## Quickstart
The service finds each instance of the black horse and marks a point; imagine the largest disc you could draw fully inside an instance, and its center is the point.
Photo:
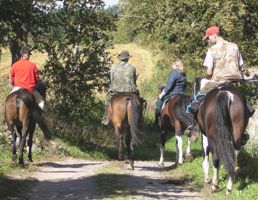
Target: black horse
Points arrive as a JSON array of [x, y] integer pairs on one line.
[[170, 118], [222, 118], [22, 113]]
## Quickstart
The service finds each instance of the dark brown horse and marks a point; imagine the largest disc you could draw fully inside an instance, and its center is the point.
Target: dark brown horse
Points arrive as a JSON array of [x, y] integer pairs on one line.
[[22, 113], [170, 116], [222, 118], [125, 113]]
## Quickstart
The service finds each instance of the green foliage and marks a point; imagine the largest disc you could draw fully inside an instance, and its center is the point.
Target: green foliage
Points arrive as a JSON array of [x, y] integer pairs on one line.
[[177, 27], [21, 23], [250, 90], [75, 38], [77, 63]]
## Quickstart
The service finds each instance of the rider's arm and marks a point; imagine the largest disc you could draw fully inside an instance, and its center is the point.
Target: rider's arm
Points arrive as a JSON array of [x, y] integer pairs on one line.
[[171, 81], [36, 73], [134, 75], [12, 74], [112, 73], [208, 63], [209, 72], [240, 61]]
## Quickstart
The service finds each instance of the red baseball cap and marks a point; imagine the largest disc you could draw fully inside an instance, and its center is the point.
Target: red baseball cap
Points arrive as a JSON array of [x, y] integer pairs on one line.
[[210, 31]]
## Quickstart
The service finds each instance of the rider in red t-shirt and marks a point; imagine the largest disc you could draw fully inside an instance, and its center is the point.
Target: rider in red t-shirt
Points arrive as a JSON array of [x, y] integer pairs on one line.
[[24, 74]]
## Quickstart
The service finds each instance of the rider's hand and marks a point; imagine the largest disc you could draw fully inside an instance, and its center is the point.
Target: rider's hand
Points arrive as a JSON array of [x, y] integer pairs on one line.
[[162, 94]]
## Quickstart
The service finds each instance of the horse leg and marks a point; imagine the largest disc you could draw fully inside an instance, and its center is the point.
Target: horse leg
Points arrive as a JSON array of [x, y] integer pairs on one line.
[[236, 160], [29, 142], [188, 154], [230, 184], [22, 145], [215, 178], [163, 137], [130, 149], [205, 163], [14, 149], [119, 142], [179, 149]]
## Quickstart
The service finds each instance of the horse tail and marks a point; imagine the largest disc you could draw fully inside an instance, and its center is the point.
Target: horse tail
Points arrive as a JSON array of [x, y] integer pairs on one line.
[[135, 120], [36, 113], [223, 138]]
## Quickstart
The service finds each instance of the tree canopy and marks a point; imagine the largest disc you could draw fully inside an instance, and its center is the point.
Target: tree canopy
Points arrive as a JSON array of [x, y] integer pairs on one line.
[[177, 27], [73, 33]]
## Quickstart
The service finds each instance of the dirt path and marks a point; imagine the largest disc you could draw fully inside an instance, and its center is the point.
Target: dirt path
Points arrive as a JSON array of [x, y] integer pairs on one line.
[[83, 179]]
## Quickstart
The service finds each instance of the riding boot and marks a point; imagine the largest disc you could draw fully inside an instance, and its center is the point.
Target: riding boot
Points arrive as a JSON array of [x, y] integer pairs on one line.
[[195, 104], [105, 120], [250, 109]]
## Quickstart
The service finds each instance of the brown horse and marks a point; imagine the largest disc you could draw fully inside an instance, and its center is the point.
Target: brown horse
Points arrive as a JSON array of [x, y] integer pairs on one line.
[[22, 113], [170, 121], [125, 112], [222, 118]]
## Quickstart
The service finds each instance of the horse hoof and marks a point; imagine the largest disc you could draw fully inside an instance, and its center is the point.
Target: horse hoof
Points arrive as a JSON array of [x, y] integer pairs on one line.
[[228, 192], [215, 188], [21, 165], [193, 139], [14, 157], [179, 162], [188, 157], [160, 164], [207, 185], [187, 133], [131, 164]]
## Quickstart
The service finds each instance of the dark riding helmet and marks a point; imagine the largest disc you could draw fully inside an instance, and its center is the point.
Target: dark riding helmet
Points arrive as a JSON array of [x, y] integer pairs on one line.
[[124, 55], [25, 51]]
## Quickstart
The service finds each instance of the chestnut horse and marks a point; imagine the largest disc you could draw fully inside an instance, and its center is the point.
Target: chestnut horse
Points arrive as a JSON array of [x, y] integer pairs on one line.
[[22, 113], [174, 109], [222, 118], [125, 113]]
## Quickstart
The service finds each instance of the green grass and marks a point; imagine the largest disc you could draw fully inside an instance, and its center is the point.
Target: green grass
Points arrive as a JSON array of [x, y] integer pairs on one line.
[[245, 186], [80, 152]]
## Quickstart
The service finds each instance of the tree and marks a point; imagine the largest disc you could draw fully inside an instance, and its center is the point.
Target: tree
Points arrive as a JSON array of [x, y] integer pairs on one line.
[[177, 27], [21, 23], [77, 65], [74, 35]]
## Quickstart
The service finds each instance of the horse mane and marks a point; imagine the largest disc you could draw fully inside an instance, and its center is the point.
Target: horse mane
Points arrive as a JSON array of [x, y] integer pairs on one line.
[[180, 111]]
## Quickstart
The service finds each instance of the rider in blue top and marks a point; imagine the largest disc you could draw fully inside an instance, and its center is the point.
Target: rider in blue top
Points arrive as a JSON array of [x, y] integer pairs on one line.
[[176, 84]]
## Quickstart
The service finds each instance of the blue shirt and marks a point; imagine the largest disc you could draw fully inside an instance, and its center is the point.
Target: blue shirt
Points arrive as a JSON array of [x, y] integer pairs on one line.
[[176, 83]]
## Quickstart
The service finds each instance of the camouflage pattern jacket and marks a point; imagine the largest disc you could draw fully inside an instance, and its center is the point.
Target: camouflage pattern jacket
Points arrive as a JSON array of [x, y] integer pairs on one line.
[[123, 78], [225, 60]]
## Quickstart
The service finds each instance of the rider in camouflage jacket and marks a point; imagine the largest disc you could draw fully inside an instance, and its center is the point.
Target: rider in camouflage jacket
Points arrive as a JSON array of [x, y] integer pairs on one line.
[[123, 79], [223, 62]]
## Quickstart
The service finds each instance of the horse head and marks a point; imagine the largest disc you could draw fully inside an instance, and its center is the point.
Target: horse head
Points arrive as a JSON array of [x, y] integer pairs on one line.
[[41, 87]]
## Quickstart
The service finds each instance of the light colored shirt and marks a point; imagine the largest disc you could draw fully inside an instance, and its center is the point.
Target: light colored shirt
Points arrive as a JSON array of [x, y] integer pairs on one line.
[[225, 60]]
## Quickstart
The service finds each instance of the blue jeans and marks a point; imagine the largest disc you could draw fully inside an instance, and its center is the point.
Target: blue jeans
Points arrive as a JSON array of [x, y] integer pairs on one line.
[[160, 102]]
